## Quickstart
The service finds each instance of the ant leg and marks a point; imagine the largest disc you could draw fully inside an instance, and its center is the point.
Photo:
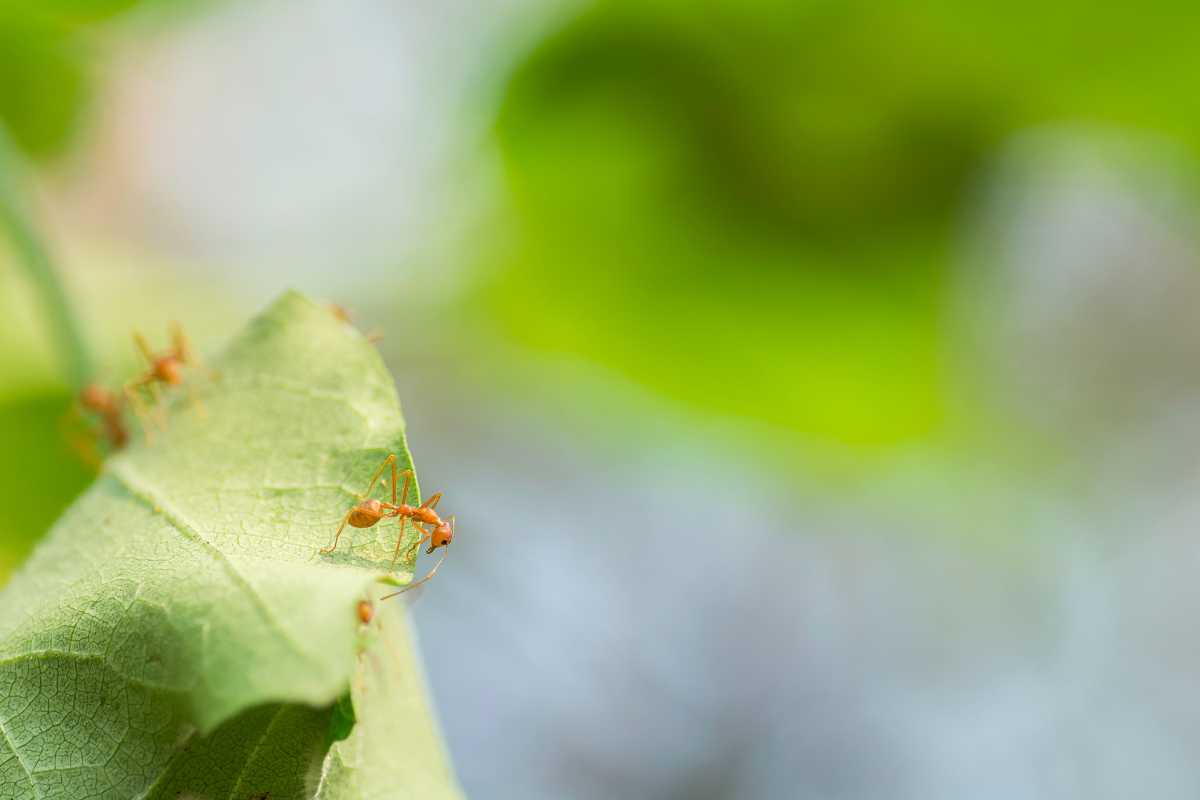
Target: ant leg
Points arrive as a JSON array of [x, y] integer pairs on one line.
[[338, 535], [160, 408], [183, 350], [188, 354], [433, 500], [412, 548], [118, 437], [400, 539], [424, 538], [83, 444], [139, 408], [195, 401], [431, 573], [415, 546], [375, 479], [408, 473], [179, 342], [394, 481], [143, 348]]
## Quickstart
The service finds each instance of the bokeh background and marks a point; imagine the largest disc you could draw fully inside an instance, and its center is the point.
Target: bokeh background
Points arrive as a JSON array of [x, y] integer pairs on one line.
[[816, 384]]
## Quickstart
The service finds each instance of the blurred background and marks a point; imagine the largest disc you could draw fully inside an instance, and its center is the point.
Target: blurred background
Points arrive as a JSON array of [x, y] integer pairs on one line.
[[816, 384]]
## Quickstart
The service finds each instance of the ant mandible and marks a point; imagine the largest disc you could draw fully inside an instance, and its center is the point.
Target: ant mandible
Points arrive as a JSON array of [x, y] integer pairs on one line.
[[165, 368], [369, 511]]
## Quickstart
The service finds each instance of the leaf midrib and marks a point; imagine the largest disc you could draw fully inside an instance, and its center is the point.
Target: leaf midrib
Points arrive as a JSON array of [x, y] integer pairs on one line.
[[142, 491], [233, 794]]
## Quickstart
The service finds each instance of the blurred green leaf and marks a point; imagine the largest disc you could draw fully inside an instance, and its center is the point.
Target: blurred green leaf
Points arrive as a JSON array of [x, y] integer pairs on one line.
[[44, 82], [753, 210], [49, 50], [185, 588], [270, 751], [749, 215], [30, 251], [38, 473]]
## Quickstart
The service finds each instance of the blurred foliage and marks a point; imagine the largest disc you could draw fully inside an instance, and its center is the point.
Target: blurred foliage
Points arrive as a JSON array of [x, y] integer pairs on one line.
[[47, 50], [43, 80], [39, 474], [752, 209], [48, 53]]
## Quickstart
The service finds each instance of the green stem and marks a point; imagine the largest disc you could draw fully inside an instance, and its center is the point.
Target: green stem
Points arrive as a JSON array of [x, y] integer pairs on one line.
[[32, 253]]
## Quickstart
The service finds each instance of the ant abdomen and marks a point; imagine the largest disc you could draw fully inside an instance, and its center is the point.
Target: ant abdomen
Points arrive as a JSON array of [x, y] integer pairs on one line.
[[366, 514]]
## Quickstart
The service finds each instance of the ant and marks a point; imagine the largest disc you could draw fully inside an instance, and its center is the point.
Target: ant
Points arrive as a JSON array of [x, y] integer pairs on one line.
[[369, 511], [374, 336], [162, 368], [106, 406]]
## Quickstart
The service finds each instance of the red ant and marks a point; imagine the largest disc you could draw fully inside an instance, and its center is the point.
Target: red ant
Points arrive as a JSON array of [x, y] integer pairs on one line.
[[370, 511], [105, 405], [162, 368]]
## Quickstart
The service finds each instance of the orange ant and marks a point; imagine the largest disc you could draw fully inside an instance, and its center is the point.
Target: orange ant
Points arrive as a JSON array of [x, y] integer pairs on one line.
[[164, 368], [374, 336], [106, 406], [366, 612], [366, 513]]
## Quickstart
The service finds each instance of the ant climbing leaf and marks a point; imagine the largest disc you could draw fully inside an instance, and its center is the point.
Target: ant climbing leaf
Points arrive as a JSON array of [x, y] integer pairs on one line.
[[178, 632]]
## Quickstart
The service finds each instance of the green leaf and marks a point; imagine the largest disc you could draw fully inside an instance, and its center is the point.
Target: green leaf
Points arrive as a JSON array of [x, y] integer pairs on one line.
[[393, 735], [44, 81], [272, 751], [41, 474], [184, 597]]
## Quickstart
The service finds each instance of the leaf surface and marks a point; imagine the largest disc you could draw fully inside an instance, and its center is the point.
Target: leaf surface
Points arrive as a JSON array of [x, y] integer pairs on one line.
[[395, 748], [185, 589]]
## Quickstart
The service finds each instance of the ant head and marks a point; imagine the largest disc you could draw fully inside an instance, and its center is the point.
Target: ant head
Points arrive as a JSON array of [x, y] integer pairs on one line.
[[168, 369], [95, 397], [441, 536]]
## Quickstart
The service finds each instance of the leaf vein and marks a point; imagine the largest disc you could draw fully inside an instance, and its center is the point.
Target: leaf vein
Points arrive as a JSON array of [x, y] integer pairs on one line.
[[254, 753], [45, 655], [17, 753], [141, 491]]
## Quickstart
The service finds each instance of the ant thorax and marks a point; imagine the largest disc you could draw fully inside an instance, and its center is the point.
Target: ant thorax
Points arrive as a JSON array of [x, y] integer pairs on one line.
[[167, 369], [426, 515]]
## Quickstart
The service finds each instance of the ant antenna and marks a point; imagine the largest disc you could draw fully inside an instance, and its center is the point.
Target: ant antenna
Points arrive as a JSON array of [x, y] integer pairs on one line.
[[432, 572]]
